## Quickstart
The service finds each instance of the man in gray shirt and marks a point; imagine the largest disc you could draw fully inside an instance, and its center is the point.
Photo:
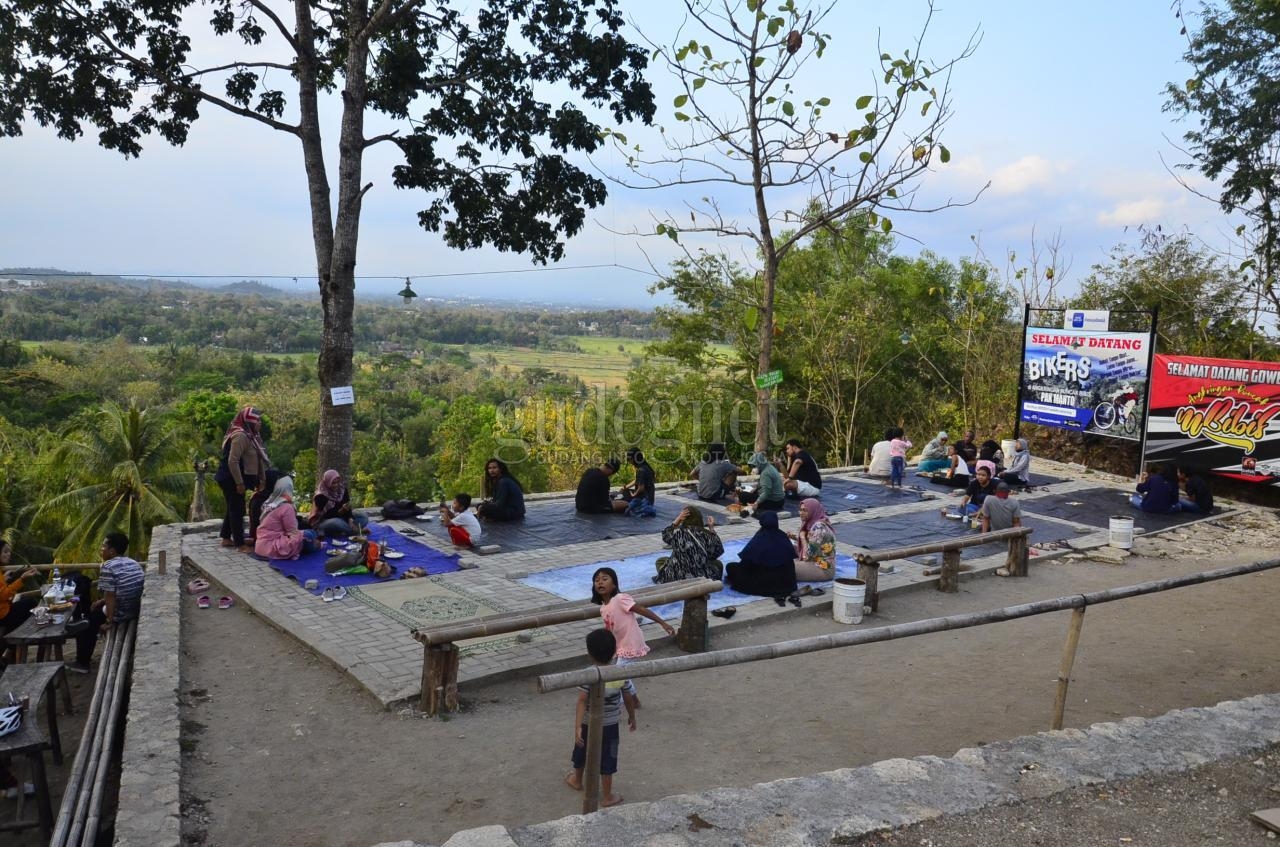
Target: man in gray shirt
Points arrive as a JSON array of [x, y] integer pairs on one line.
[[1000, 512], [717, 476]]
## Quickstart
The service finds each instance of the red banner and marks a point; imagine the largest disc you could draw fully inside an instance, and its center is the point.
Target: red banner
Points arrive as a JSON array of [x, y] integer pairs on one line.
[[1219, 415]]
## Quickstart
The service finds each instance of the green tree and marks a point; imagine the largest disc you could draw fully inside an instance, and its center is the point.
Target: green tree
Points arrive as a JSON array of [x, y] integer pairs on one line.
[[126, 468], [469, 87], [1234, 94], [1203, 310], [749, 132]]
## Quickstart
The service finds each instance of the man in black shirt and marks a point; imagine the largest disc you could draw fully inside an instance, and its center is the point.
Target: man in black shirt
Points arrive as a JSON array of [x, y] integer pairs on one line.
[[1199, 498], [966, 448], [801, 478], [593, 490]]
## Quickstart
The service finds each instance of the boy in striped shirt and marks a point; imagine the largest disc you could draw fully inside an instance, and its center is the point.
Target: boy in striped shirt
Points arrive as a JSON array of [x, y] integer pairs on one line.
[[601, 647], [120, 583]]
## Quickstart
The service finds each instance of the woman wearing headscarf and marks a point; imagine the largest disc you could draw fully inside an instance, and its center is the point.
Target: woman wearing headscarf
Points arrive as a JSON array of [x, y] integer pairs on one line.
[[695, 548], [331, 508], [259, 498], [934, 456], [244, 461], [278, 534], [766, 567], [1019, 472], [815, 548]]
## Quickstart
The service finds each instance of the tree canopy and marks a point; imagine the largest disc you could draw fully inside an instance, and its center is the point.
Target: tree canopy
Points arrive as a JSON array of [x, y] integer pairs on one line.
[[469, 91]]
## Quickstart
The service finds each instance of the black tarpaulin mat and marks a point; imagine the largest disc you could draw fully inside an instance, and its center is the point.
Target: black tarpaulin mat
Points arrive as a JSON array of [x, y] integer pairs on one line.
[[927, 526], [1096, 506], [1037, 479], [870, 495], [554, 523]]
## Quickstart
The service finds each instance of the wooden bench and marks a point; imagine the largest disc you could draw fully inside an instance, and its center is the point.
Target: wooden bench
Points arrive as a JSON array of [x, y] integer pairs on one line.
[[949, 573], [440, 649], [35, 682], [81, 810]]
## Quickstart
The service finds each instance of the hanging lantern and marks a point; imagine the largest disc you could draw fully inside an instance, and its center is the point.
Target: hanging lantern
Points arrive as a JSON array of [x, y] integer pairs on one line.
[[408, 293]]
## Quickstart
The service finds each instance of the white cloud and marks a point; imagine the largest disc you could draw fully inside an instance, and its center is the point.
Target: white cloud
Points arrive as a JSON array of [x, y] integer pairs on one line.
[[1135, 212], [1023, 175]]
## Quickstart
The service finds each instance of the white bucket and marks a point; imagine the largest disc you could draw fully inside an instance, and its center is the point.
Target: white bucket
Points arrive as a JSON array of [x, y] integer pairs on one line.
[[849, 595], [1122, 532], [1008, 446]]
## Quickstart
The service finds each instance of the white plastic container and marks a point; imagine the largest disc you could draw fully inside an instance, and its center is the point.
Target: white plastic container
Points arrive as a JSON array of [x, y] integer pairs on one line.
[[1121, 532], [848, 597]]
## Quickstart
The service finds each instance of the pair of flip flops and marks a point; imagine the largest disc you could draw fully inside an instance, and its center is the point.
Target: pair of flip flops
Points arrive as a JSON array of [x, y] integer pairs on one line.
[[414, 573], [197, 586], [336, 592], [204, 602]]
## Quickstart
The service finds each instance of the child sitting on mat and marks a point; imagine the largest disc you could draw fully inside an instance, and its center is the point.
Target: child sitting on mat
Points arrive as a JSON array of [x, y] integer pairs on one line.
[[601, 647], [464, 527]]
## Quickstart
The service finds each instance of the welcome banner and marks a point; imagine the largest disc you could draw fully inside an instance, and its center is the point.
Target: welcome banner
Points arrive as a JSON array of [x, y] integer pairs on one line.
[[1219, 415], [1086, 381]]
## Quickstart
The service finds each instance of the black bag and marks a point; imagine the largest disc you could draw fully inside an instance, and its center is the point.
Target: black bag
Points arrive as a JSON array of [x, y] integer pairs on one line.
[[397, 510]]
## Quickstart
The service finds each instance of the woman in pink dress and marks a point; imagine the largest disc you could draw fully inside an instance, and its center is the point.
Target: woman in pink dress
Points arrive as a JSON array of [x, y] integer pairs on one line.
[[278, 534]]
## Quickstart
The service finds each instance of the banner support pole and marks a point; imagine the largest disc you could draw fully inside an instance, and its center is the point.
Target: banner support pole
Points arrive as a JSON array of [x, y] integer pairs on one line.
[[1146, 394], [1022, 372]]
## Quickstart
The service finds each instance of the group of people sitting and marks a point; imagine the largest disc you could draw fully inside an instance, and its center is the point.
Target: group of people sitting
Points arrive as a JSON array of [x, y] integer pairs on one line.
[[1158, 491], [953, 464]]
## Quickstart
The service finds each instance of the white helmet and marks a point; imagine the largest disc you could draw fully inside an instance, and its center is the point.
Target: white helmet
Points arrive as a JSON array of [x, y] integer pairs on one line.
[[10, 719]]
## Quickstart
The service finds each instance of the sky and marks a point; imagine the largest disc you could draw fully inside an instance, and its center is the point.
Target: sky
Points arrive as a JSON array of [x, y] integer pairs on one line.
[[1059, 109]]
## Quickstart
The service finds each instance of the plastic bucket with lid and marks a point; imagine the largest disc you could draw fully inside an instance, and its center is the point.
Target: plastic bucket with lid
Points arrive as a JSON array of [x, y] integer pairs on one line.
[[846, 604], [1121, 532]]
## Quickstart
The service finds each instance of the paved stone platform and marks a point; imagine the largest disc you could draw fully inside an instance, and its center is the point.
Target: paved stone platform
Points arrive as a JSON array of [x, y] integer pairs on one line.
[[383, 657]]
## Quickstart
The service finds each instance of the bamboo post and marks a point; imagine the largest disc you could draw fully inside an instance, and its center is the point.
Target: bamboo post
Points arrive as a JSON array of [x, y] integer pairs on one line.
[[113, 722], [1064, 669], [1016, 563], [949, 581], [162, 563], [439, 679], [693, 634], [595, 740], [869, 573]]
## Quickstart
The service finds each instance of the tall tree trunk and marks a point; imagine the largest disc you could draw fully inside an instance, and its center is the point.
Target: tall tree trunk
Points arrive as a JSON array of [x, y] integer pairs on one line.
[[338, 290]]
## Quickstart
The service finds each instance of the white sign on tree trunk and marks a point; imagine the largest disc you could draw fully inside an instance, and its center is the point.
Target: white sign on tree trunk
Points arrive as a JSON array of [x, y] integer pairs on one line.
[[343, 396]]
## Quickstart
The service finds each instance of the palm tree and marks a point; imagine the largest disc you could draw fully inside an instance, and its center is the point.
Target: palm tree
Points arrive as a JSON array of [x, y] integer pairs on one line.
[[128, 464]]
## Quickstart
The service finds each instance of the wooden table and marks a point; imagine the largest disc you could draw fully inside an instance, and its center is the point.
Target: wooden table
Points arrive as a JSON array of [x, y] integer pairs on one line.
[[41, 637], [30, 741]]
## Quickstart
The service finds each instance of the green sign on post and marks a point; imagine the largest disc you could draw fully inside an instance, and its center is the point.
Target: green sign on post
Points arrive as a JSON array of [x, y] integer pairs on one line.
[[769, 380]]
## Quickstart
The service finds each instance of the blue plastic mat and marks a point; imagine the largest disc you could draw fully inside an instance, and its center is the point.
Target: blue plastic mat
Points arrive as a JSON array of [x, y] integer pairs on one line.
[[311, 565], [634, 572]]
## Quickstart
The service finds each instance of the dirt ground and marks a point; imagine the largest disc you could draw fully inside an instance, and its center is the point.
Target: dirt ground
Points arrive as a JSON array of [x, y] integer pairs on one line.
[[282, 748]]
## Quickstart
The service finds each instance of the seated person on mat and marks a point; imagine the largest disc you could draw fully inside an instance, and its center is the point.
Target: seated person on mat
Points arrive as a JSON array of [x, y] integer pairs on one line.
[[695, 548], [464, 528], [1156, 493], [766, 567], [934, 455], [593, 490], [717, 476], [1199, 498], [879, 465], [802, 476], [770, 495], [278, 534], [331, 508], [956, 476], [1000, 511], [504, 496], [1019, 472], [637, 496], [980, 488], [815, 544]]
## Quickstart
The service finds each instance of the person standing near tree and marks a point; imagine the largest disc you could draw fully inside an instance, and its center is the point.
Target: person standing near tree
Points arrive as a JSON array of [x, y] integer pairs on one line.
[[244, 463]]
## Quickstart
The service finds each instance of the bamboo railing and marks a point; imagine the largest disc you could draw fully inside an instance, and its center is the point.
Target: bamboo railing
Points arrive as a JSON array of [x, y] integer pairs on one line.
[[598, 675]]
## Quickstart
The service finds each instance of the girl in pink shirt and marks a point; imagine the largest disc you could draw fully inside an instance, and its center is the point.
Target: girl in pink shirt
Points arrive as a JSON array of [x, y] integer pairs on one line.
[[619, 612]]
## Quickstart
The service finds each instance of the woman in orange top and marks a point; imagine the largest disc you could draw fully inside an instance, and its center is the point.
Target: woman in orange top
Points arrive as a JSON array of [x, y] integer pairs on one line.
[[12, 611]]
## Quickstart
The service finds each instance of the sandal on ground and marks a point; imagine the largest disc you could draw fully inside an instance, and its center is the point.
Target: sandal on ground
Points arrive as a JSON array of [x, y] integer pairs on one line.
[[726, 613], [339, 592], [794, 600], [226, 542], [226, 602], [811, 591], [1002, 572], [781, 601], [203, 601], [197, 586], [327, 595]]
